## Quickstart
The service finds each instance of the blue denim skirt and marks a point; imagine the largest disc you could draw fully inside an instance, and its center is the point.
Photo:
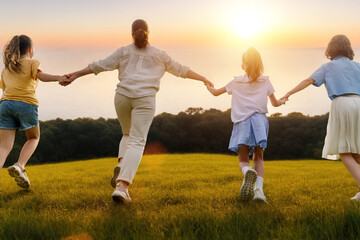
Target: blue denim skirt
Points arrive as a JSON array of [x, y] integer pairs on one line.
[[252, 132], [18, 115]]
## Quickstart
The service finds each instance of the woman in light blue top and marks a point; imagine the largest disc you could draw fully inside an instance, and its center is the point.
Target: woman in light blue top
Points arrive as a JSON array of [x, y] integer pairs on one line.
[[341, 77]]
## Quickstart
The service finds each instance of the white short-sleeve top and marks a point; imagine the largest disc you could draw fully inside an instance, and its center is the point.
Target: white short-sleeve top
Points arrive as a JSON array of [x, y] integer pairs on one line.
[[140, 70], [248, 98]]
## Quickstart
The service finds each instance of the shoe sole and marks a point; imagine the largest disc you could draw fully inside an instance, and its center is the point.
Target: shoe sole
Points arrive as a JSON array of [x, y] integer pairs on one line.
[[114, 177], [13, 172], [260, 200], [20, 181], [117, 197], [247, 190]]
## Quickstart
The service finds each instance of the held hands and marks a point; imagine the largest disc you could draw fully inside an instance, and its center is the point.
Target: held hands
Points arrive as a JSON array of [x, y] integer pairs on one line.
[[282, 101], [207, 82], [285, 97], [210, 88], [67, 79], [62, 78]]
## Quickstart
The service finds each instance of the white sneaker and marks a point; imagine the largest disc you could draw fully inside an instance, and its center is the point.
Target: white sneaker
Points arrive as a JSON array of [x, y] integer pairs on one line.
[[356, 198], [121, 196], [259, 196], [247, 188], [18, 172], [115, 175]]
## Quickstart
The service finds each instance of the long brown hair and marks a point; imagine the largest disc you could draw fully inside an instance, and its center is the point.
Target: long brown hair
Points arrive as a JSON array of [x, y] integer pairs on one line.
[[18, 46], [339, 45], [254, 65], [140, 33]]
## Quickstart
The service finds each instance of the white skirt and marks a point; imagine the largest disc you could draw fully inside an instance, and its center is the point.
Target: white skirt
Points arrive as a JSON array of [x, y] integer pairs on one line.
[[343, 129]]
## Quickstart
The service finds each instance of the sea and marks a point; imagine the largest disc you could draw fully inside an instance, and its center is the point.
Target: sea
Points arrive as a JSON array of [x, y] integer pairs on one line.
[[93, 96]]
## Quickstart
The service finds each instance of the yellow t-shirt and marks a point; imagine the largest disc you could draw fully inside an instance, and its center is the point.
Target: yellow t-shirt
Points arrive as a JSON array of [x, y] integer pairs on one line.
[[21, 86]]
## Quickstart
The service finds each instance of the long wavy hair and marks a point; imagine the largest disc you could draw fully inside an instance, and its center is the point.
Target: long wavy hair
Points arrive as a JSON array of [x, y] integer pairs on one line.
[[254, 65], [339, 45], [18, 46], [140, 33]]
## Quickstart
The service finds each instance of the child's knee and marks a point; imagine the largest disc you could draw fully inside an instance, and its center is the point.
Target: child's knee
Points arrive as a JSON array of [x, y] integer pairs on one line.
[[6, 146], [33, 138]]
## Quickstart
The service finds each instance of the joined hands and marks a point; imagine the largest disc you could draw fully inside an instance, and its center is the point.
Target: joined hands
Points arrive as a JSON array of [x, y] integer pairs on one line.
[[67, 79]]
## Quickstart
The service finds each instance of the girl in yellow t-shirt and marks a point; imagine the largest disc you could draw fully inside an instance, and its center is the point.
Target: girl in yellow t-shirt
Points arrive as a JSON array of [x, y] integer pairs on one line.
[[18, 104]]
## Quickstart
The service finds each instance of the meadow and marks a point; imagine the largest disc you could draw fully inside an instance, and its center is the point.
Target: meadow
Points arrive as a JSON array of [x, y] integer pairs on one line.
[[180, 196]]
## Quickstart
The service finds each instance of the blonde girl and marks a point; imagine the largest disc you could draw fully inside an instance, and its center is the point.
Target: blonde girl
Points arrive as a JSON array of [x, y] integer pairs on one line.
[[250, 131], [341, 77], [19, 105]]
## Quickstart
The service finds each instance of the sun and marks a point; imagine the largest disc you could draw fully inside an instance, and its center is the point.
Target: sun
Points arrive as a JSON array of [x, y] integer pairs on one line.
[[247, 25]]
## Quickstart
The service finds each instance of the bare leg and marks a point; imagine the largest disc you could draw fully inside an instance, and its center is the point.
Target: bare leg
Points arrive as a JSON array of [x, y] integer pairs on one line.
[[356, 156], [259, 161], [33, 136], [247, 187], [352, 166], [7, 138], [243, 156]]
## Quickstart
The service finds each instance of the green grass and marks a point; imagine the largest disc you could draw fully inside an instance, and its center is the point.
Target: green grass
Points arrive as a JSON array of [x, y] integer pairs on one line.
[[189, 196]]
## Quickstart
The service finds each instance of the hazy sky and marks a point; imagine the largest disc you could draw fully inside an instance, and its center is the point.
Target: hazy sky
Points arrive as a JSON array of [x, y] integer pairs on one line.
[[208, 36], [106, 23]]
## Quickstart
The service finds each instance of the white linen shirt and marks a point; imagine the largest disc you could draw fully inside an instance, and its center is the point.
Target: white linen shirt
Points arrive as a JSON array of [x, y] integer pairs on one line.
[[248, 98], [140, 70]]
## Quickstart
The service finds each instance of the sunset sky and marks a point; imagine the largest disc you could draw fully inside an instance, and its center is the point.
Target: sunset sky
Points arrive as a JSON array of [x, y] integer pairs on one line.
[[208, 36], [103, 24]]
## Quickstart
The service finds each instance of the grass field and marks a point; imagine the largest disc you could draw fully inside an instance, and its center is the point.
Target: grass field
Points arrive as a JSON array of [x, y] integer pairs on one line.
[[190, 196]]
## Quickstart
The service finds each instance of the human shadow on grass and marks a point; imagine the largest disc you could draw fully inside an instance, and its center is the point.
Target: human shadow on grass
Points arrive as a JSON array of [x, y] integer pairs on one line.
[[250, 204], [6, 197]]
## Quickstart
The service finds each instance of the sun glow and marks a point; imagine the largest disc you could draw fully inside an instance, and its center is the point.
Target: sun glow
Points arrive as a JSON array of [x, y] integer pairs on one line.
[[247, 25]]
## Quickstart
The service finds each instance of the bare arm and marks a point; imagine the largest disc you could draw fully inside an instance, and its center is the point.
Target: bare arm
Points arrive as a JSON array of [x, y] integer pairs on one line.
[[275, 102], [45, 77], [216, 92], [302, 85], [193, 75]]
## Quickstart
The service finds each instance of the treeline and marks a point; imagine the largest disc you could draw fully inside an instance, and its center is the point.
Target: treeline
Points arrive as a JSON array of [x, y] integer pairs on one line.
[[294, 136]]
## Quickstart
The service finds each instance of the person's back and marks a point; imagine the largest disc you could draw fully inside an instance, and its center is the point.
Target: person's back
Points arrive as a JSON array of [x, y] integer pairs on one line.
[[249, 97], [18, 104], [340, 76], [251, 126], [21, 86], [140, 69]]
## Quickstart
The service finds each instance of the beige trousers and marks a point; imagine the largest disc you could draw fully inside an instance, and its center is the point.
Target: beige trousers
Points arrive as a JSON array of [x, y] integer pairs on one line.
[[135, 116]]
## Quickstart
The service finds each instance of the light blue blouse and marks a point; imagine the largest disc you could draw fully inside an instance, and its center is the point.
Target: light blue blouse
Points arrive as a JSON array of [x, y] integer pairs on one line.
[[341, 76]]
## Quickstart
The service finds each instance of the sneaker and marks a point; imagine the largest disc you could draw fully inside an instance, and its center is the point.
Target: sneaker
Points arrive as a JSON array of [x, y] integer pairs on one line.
[[121, 196], [356, 198], [247, 188], [115, 175], [259, 196], [18, 172]]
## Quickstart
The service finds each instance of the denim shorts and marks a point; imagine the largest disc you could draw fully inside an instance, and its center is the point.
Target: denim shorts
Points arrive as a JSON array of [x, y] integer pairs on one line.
[[18, 115]]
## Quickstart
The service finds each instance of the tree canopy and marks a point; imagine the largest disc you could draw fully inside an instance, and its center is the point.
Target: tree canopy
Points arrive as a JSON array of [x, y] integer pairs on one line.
[[195, 130]]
